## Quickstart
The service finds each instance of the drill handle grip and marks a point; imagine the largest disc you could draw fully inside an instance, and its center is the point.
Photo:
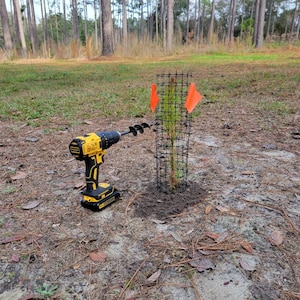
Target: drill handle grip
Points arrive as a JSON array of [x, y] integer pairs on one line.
[[92, 170]]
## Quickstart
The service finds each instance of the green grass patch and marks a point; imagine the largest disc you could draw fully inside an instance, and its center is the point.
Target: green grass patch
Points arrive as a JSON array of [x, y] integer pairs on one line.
[[75, 91], [277, 107]]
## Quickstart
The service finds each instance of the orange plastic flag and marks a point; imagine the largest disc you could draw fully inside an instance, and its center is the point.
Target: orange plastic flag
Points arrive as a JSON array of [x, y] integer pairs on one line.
[[193, 98], [154, 98]]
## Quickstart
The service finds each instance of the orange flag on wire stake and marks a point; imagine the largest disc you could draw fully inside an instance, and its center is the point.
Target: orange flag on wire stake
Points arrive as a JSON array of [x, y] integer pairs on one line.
[[154, 98], [193, 98]]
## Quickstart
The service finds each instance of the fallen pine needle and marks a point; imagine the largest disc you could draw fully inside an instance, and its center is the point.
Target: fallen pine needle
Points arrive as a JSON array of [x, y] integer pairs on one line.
[[130, 202], [131, 279]]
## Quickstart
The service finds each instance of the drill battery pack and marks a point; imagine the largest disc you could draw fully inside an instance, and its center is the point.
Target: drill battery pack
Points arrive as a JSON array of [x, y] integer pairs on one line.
[[100, 198]]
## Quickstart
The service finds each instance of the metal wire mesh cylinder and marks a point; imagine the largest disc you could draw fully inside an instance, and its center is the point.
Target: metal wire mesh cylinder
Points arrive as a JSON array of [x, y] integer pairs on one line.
[[173, 127]]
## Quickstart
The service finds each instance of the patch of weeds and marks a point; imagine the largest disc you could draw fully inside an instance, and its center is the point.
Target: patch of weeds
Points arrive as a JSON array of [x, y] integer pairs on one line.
[[2, 222], [47, 290], [277, 107], [296, 78], [47, 131], [25, 256], [10, 275], [129, 285], [34, 123], [9, 190]]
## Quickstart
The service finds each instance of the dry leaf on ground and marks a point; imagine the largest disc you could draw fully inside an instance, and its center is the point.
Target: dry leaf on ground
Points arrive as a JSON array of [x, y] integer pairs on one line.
[[176, 237], [222, 237], [213, 235], [32, 139], [208, 209], [31, 204], [202, 264], [247, 264], [19, 175], [154, 276], [247, 246], [277, 237], [12, 239], [15, 257], [98, 256], [222, 208]]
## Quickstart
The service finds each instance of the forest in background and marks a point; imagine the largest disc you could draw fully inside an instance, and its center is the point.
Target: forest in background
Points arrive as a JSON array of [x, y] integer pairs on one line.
[[83, 28]]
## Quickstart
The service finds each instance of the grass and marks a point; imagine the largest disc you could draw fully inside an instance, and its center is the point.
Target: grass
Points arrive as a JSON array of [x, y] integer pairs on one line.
[[78, 90], [47, 290], [69, 91], [277, 107]]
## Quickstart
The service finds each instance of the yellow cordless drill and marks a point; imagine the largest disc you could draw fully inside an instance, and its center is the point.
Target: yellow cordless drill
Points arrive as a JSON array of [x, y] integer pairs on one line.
[[91, 148]]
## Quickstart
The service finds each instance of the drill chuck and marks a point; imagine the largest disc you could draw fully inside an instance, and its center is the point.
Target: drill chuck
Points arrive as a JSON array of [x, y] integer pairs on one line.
[[108, 138]]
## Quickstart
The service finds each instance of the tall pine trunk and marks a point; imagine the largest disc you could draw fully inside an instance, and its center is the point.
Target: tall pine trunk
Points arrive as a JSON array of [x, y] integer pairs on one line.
[[5, 27], [20, 27], [211, 25], [259, 23], [124, 24], [107, 29], [170, 25], [231, 21], [32, 26]]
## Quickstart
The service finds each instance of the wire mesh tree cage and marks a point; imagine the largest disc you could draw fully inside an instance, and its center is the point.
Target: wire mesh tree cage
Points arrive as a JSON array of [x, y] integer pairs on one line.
[[173, 129]]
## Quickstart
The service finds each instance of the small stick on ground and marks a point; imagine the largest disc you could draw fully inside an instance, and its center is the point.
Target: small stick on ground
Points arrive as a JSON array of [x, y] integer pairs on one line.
[[294, 228], [196, 292]]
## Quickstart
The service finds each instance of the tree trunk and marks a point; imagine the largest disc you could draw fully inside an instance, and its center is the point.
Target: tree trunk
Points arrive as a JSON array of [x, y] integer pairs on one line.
[[100, 21], [32, 26], [142, 21], [45, 26], [294, 17], [50, 25], [107, 29], [5, 27], [231, 21], [75, 20], [86, 32], [259, 23], [187, 18], [65, 39], [124, 23], [298, 27], [163, 23], [202, 23], [156, 21], [95, 26], [170, 25], [198, 31], [268, 32], [211, 25], [21, 28], [242, 20], [16, 34]]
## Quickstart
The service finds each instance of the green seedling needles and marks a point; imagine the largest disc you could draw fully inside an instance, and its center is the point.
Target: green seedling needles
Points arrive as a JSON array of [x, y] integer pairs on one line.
[[172, 132]]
